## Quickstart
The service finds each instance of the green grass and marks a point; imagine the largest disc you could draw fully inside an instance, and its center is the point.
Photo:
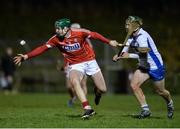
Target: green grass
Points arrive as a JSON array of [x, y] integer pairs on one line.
[[51, 111]]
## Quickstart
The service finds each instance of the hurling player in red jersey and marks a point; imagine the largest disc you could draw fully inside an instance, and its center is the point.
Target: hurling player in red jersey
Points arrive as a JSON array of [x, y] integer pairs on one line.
[[83, 81], [65, 69], [79, 55]]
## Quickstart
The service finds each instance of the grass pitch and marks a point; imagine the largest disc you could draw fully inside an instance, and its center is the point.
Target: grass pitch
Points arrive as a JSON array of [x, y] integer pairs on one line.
[[51, 111]]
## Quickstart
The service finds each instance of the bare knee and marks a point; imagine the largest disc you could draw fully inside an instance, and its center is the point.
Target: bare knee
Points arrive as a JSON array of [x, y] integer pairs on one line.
[[161, 92], [102, 90], [134, 86], [74, 82], [101, 87]]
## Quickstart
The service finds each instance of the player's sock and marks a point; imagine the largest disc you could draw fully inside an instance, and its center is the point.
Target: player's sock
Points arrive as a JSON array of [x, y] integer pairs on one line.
[[145, 107], [170, 109], [86, 105], [69, 103], [170, 104]]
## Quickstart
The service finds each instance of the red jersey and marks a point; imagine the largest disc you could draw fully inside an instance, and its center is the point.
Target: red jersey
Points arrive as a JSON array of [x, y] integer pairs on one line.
[[74, 46], [89, 48]]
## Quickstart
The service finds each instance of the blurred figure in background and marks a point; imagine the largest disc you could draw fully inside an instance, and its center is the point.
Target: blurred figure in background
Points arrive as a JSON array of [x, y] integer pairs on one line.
[[8, 68], [150, 65]]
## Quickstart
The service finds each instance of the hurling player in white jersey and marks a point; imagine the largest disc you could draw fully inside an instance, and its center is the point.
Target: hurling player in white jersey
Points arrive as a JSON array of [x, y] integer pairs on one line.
[[150, 65]]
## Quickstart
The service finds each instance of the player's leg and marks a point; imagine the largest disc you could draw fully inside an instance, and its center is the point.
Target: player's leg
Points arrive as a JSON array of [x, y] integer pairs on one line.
[[76, 78], [10, 82], [100, 86], [84, 84], [137, 80], [160, 89], [69, 87], [94, 71], [71, 92]]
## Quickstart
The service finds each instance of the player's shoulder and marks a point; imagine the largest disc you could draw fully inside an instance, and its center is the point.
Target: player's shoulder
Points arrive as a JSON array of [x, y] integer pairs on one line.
[[53, 38], [143, 32], [80, 30]]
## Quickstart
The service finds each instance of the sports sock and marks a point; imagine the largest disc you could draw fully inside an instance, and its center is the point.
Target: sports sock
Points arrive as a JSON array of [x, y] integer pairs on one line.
[[145, 107], [170, 104], [86, 105]]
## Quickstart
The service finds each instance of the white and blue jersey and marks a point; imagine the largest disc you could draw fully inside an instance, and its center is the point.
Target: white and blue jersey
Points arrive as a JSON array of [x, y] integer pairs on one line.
[[153, 60]]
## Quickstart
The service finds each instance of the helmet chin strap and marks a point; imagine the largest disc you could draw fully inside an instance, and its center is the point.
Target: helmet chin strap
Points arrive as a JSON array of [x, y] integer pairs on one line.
[[136, 29], [65, 35]]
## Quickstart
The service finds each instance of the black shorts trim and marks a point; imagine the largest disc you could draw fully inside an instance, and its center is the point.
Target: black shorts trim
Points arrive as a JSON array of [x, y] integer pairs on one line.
[[143, 69]]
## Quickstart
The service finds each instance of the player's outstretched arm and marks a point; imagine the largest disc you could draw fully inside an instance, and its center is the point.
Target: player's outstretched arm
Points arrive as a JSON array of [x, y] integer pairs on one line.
[[37, 51]]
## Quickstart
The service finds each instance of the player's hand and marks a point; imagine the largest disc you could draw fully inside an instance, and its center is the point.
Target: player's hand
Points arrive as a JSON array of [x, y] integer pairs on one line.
[[122, 55], [116, 58], [19, 58], [114, 43]]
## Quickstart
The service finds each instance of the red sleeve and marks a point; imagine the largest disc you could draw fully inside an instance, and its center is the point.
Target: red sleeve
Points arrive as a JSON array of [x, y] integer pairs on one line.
[[98, 36], [37, 51], [94, 35], [52, 42], [41, 49]]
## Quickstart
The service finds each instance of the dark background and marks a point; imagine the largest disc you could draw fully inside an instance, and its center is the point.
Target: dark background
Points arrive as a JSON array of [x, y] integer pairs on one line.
[[33, 21]]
